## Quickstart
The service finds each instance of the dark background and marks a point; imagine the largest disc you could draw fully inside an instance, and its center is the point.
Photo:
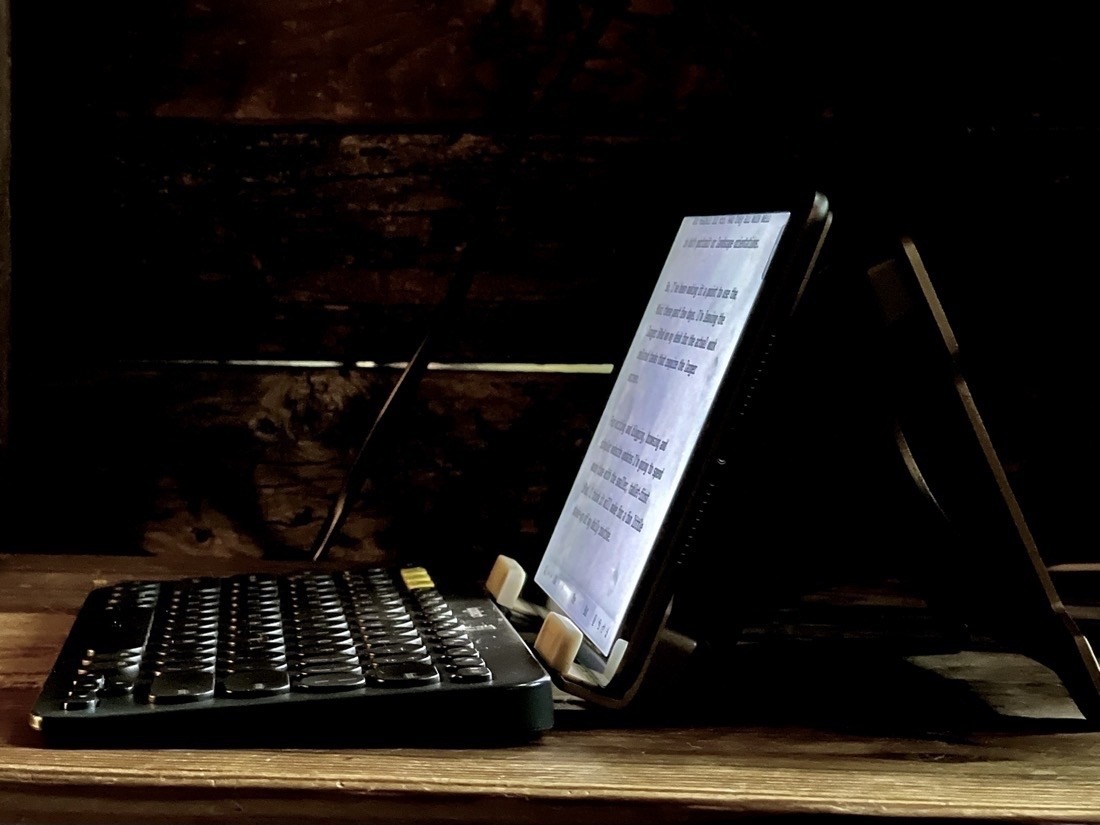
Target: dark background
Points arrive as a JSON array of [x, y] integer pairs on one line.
[[198, 187]]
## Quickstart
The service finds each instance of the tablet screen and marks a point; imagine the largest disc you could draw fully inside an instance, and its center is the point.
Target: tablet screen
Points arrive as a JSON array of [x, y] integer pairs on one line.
[[650, 427]]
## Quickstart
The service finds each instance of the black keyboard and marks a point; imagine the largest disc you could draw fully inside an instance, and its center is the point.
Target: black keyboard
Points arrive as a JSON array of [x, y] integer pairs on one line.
[[350, 656]]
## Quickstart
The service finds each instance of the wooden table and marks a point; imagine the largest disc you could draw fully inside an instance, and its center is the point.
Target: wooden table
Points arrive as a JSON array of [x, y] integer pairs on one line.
[[887, 743]]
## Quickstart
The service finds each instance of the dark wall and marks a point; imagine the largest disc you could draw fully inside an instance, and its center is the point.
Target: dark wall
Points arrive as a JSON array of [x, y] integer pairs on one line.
[[297, 180], [5, 226]]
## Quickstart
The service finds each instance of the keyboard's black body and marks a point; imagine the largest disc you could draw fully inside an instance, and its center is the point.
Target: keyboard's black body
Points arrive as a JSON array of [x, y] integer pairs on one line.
[[347, 657]]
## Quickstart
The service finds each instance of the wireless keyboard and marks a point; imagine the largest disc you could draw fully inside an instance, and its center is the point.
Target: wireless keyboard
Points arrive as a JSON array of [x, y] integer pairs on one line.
[[357, 655]]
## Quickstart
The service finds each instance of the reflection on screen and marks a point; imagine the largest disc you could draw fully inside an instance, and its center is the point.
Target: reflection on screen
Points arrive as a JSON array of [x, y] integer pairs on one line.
[[649, 428]]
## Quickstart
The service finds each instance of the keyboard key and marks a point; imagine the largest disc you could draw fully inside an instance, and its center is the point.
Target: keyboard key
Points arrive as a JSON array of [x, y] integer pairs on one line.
[[400, 658], [79, 703], [326, 682], [448, 634], [322, 659], [88, 681], [229, 668], [472, 674], [404, 675], [174, 687], [118, 686], [395, 649], [467, 661], [249, 684]]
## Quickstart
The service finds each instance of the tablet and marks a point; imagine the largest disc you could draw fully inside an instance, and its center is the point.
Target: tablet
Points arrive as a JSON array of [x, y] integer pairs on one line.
[[646, 507]]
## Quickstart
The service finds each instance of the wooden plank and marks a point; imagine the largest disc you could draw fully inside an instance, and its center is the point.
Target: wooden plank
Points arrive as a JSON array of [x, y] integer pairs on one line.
[[244, 461], [210, 461], [223, 242], [925, 750], [216, 462], [309, 242], [326, 243], [310, 60]]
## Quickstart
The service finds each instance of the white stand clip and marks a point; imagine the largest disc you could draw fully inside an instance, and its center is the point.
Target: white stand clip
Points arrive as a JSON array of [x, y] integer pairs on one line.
[[505, 581], [558, 643]]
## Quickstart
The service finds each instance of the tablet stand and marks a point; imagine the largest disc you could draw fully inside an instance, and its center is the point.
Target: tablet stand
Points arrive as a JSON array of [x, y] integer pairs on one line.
[[988, 567], [560, 644], [559, 639]]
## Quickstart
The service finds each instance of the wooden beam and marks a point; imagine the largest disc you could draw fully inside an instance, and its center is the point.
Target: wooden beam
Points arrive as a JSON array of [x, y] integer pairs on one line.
[[5, 222], [225, 461]]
